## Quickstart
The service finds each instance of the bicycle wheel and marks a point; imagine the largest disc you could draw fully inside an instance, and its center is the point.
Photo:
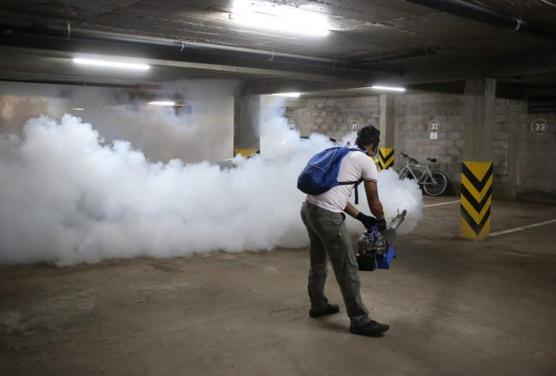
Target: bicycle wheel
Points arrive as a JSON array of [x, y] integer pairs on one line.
[[436, 186]]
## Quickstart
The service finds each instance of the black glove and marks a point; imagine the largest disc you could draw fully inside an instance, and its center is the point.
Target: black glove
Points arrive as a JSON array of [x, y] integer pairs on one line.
[[380, 225], [369, 221], [366, 220]]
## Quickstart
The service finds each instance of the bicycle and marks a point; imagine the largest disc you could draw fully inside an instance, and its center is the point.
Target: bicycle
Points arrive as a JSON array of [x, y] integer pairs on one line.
[[433, 183]]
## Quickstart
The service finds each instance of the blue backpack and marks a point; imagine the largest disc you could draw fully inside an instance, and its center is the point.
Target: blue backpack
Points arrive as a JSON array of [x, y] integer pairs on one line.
[[321, 172]]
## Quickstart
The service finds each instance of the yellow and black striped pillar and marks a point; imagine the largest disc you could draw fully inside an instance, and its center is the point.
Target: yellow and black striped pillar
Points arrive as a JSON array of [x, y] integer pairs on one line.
[[385, 158], [475, 200]]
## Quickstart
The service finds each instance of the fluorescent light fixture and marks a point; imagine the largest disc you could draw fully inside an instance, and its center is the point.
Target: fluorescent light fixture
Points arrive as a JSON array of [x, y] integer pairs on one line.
[[78, 109], [289, 95], [282, 19], [398, 89], [101, 63], [162, 103]]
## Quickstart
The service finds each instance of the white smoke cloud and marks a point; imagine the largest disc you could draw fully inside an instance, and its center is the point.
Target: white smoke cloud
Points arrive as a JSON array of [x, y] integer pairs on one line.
[[69, 196], [200, 131]]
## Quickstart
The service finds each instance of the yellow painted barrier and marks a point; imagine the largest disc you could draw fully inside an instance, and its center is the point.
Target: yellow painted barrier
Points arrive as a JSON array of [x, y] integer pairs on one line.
[[475, 199], [385, 158], [246, 152]]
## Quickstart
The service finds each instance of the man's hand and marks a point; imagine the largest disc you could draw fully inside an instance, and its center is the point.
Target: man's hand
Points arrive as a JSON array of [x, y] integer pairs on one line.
[[367, 221], [380, 225]]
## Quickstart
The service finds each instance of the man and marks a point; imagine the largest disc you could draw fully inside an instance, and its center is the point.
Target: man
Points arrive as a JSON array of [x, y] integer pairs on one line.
[[324, 218]]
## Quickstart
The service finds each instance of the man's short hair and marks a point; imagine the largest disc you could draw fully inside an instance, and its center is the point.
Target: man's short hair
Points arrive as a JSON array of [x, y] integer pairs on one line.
[[368, 135]]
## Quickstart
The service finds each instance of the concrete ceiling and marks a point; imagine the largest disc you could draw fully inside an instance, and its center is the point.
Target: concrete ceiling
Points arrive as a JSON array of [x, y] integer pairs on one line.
[[371, 40]]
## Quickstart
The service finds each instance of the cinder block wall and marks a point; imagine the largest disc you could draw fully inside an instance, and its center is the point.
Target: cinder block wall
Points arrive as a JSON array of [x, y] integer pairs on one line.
[[536, 159], [524, 162], [414, 114], [333, 117]]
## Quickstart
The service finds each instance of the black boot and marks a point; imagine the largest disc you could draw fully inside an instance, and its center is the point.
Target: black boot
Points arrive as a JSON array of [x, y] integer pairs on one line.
[[372, 329], [329, 310]]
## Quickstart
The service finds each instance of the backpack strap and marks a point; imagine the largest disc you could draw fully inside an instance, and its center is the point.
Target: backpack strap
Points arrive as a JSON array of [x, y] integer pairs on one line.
[[355, 183], [355, 186]]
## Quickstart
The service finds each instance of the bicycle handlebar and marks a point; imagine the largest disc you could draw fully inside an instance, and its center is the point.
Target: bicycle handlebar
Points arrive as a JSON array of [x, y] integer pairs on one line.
[[412, 160]]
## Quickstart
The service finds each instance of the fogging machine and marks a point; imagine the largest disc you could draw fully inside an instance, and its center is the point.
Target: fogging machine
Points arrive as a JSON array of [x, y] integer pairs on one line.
[[374, 249]]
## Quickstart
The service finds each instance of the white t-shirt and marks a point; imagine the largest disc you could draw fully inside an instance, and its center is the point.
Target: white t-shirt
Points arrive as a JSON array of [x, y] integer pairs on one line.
[[353, 167]]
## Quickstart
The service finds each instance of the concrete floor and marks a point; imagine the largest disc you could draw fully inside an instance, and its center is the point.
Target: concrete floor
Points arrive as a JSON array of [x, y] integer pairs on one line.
[[455, 308]]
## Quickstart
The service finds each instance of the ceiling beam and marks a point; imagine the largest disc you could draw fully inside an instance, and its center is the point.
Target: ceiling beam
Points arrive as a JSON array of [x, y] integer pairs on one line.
[[285, 86], [192, 55], [57, 79], [463, 69]]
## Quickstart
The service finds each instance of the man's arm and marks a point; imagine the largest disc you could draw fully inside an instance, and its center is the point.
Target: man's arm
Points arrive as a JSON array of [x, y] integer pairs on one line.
[[375, 206], [351, 210]]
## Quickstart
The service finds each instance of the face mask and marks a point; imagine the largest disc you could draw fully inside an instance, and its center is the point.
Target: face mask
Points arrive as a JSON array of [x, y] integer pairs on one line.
[[372, 153]]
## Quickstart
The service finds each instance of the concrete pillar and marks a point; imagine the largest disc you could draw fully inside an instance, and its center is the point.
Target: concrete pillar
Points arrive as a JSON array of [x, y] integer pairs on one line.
[[479, 118], [387, 121], [247, 110], [477, 169], [513, 154]]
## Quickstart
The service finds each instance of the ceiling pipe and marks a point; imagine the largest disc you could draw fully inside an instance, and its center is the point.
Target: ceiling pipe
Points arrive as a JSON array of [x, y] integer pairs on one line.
[[405, 54], [488, 16], [182, 44]]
